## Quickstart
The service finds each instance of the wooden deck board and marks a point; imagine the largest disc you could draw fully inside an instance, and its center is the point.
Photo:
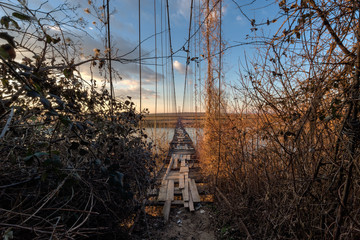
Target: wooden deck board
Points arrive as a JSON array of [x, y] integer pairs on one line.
[[170, 191], [186, 190], [184, 169], [169, 167], [183, 161], [194, 192], [175, 162], [166, 210], [177, 172], [163, 190], [173, 178], [191, 204], [181, 181], [186, 204], [173, 174]]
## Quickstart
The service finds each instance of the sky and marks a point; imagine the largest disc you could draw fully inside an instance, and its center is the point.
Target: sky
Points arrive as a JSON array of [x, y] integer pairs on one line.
[[124, 24]]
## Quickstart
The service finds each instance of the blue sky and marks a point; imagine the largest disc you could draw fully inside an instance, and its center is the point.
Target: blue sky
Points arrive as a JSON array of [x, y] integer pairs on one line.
[[124, 28], [235, 26]]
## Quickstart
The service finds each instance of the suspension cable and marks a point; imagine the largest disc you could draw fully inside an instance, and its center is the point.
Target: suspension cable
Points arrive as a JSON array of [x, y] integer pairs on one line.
[[156, 73], [171, 57], [140, 53], [167, 60], [166, 63], [195, 85], [199, 43], [162, 55], [112, 93], [187, 56]]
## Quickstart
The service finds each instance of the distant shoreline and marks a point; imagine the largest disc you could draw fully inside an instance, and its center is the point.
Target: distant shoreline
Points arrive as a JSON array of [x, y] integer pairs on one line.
[[169, 120]]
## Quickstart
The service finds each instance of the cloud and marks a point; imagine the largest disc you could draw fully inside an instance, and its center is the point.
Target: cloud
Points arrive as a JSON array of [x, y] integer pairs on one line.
[[241, 20], [224, 10], [183, 8], [128, 71], [134, 93], [178, 66]]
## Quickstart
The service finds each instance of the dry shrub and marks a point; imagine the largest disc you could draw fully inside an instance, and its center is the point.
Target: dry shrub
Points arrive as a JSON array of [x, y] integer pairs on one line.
[[292, 171], [278, 193], [75, 163], [73, 179]]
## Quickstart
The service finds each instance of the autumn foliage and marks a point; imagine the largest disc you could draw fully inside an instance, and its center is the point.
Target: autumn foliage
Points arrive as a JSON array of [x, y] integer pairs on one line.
[[289, 157]]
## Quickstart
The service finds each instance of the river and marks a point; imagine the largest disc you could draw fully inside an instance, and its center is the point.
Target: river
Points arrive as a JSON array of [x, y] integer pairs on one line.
[[166, 134]]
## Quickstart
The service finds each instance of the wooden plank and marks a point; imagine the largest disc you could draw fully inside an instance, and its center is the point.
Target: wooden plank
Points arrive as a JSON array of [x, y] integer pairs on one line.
[[175, 161], [169, 167], [186, 190], [191, 204], [163, 190], [173, 178], [181, 181], [170, 191], [183, 162], [180, 158], [179, 151], [184, 169], [166, 210], [173, 203], [194, 192], [186, 204], [173, 174]]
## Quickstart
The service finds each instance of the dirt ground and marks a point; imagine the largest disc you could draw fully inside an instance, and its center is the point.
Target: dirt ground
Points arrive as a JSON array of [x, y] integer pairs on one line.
[[182, 225]]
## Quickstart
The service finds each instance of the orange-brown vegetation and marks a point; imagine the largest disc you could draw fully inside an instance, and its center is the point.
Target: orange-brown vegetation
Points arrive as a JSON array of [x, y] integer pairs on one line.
[[290, 171]]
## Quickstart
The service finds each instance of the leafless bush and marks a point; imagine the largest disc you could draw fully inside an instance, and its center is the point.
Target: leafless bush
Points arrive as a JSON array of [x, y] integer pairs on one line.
[[299, 179], [74, 162]]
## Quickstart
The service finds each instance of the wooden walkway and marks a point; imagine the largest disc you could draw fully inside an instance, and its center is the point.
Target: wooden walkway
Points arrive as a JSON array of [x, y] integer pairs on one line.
[[180, 174]]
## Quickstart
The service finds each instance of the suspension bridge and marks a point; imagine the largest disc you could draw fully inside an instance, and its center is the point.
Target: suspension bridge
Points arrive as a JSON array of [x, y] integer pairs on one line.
[[179, 179]]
